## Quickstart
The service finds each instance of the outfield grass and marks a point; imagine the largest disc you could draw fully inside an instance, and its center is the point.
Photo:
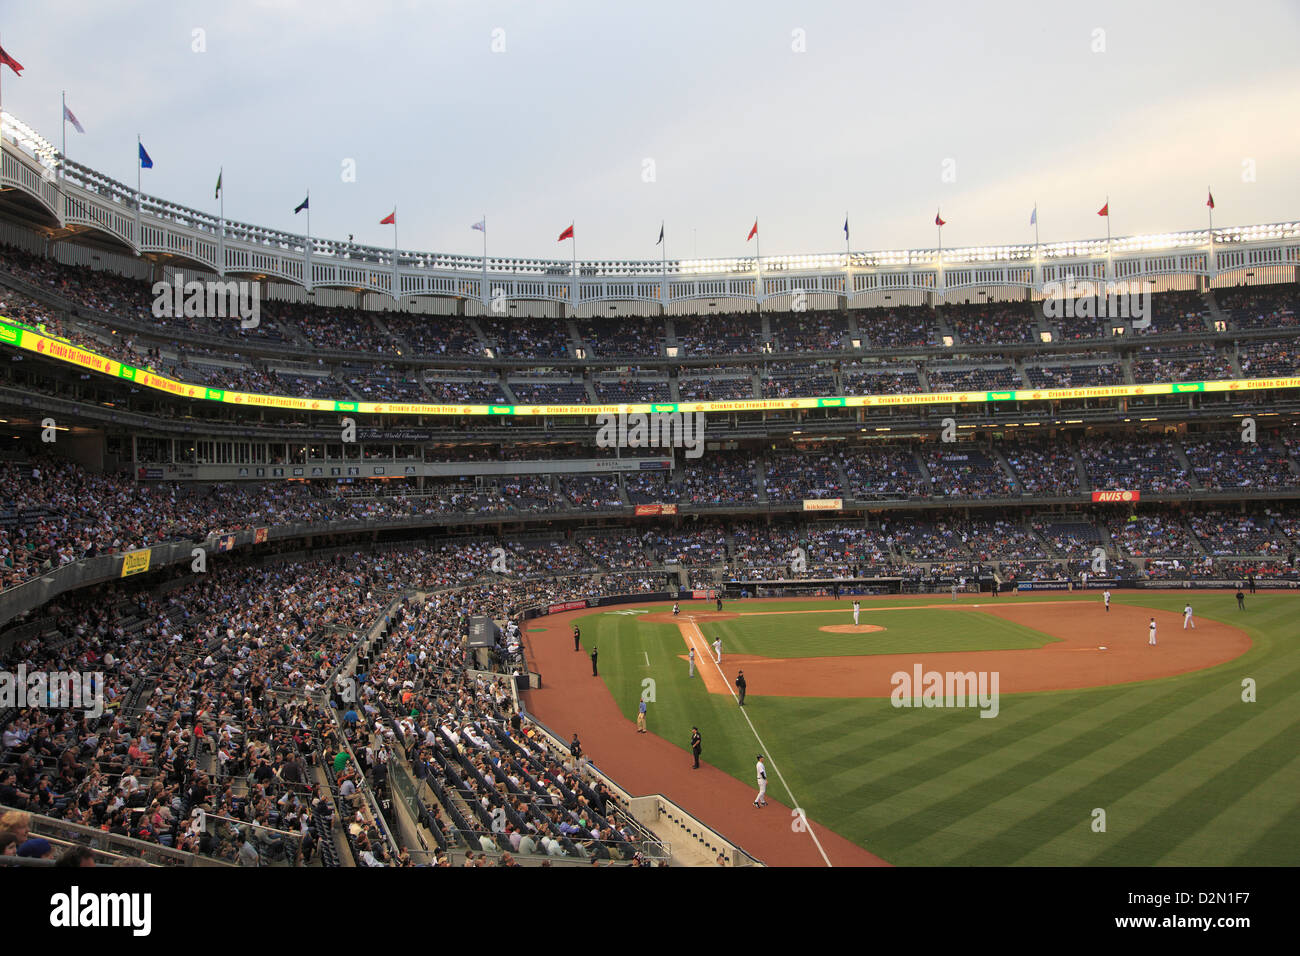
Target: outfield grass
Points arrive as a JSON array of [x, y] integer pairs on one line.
[[1186, 772]]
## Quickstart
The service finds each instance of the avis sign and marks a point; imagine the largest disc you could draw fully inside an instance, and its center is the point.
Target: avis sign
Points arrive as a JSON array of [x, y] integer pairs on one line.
[[1113, 497]]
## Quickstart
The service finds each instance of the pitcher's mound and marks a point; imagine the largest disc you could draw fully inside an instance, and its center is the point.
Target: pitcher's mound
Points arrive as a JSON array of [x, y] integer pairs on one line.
[[850, 628]]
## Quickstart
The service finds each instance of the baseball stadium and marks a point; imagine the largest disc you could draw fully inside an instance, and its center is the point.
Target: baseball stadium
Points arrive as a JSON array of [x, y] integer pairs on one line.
[[326, 554]]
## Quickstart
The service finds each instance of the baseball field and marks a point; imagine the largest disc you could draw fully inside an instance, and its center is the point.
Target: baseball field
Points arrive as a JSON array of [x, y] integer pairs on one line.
[[1087, 747]]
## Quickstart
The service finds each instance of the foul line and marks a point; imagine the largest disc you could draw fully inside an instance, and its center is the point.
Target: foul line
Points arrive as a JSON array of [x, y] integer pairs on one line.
[[700, 634]]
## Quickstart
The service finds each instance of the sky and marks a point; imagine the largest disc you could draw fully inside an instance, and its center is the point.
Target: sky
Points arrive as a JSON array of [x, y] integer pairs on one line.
[[617, 116]]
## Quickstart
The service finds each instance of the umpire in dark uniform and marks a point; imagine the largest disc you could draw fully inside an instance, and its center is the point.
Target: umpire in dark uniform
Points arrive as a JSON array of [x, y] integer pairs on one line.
[[695, 746], [740, 686], [593, 662], [577, 634]]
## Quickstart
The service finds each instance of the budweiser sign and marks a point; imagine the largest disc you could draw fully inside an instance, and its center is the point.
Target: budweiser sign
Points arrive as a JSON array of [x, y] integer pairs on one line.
[[1113, 496]]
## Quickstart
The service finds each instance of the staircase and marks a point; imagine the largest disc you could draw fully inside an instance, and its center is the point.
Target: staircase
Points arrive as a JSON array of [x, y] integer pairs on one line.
[[1187, 465], [1001, 459]]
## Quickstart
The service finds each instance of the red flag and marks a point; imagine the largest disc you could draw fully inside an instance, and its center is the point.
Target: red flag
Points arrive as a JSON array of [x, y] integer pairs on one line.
[[390, 219], [1104, 210], [7, 60], [937, 220], [1210, 202], [567, 234], [753, 232]]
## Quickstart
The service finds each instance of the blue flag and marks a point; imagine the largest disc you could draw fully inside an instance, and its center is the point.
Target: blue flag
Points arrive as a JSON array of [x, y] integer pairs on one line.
[[145, 161], [1033, 217], [305, 204], [846, 228]]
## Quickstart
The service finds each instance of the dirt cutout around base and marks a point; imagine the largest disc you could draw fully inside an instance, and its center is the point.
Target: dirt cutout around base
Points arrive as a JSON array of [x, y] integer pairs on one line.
[[850, 628]]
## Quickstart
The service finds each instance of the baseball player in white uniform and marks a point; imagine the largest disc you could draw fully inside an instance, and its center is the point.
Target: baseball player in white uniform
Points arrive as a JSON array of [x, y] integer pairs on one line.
[[1106, 595], [856, 607], [717, 651], [761, 800], [692, 674], [1187, 618], [1151, 630]]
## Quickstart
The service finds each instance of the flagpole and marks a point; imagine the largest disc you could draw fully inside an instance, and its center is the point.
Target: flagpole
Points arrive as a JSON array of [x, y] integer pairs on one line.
[[485, 278], [758, 264], [63, 158], [1110, 265], [1214, 256], [939, 228], [1038, 266], [139, 202], [396, 291], [308, 276], [221, 246], [848, 263], [574, 240], [663, 250]]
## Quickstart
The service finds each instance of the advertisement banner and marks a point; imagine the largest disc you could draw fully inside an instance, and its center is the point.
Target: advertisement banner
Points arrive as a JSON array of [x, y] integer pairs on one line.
[[14, 335], [1116, 496], [259, 535], [566, 606], [133, 562], [670, 509], [1093, 585], [649, 509], [823, 504], [226, 542]]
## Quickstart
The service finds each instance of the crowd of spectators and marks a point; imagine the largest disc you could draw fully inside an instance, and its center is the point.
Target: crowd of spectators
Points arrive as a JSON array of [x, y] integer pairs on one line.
[[1181, 365], [535, 338], [990, 323], [1042, 468], [981, 378], [886, 471], [808, 332], [1259, 307], [795, 476], [1146, 464], [1269, 359], [1222, 462], [961, 470]]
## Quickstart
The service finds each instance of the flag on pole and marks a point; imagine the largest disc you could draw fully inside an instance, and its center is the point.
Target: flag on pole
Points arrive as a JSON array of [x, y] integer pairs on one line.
[[145, 161], [305, 204], [220, 172], [1033, 217], [1210, 202], [7, 60], [390, 219], [481, 225], [567, 234], [1105, 210], [937, 220], [67, 115], [846, 228], [753, 232], [661, 234]]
